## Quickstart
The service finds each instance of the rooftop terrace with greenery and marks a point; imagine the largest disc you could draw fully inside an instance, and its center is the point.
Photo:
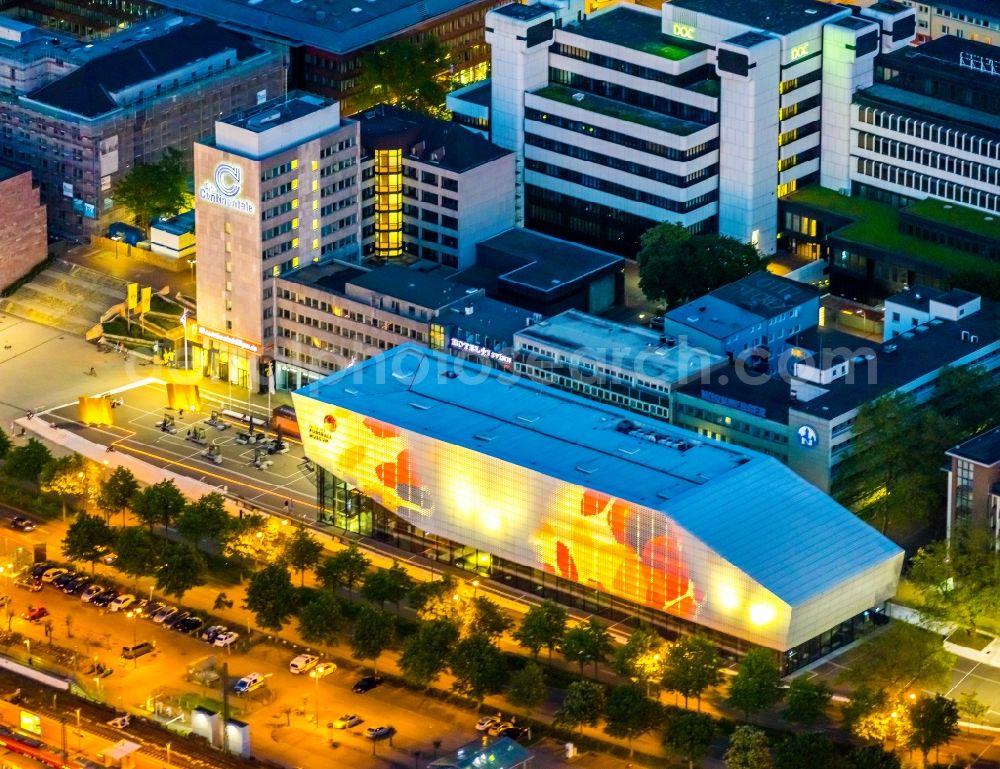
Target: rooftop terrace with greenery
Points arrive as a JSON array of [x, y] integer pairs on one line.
[[962, 217], [877, 225], [635, 29], [619, 110]]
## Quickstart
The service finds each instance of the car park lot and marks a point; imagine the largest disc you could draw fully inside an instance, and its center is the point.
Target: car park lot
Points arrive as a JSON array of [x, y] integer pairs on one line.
[[153, 676]]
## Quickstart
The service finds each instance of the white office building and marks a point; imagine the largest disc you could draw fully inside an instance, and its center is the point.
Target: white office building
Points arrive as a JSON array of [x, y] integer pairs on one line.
[[702, 114]]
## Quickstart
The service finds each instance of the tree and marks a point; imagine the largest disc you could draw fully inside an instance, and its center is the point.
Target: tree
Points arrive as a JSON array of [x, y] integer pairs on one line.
[[302, 551], [641, 658], [968, 399], [587, 643], [935, 723], [478, 667], [900, 657], [392, 584], [582, 705], [806, 700], [864, 700], [871, 757], [5, 444], [757, 684], [115, 493], [890, 475], [542, 625], [409, 73], [320, 619], [68, 477], [181, 568], [629, 714], [161, 503], [87, 539], [959, 581], [970, 706], [137, 552], [688, 734], [527, 688], [271, 596], [152, 190], [204, 518], [798, 750], [343, 569], [691, 665], [27, 462], [747, 749], [425, 654], [676, 265], [373, 634], [487, 618], [435, 599]]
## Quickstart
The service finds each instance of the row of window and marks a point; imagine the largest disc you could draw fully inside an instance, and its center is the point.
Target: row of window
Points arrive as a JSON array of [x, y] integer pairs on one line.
[[754, 431], [594, 392], [931, 132], [623, 140], [620, 190], [628, 166], [931, 185], [924, 157], [685, 80], [633, 97]]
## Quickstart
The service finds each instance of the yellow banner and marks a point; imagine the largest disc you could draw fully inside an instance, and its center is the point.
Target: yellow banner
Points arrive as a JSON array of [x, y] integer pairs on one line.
[[146, 297], [133, 296]]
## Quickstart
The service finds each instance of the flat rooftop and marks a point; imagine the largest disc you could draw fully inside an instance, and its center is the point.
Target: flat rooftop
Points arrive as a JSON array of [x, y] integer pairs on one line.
[[386, 126], [969, 219], [787, 535], [892, 365], [336, 26], [928, 107], [278, 112], [525, 259], [984, 449], [88, 91], [8, 172], [331, 277], [410, 286], [779, 17], [626, 347], [877, 225], [633, 27]]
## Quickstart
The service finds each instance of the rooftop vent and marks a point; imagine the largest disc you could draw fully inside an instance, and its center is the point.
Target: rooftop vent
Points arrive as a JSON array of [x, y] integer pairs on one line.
[[889, 349], [420, 406], [577, 97], [587, 469]]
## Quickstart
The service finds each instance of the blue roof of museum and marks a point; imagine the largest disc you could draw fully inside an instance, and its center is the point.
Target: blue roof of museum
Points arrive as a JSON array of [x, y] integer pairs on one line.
[[754, 512]]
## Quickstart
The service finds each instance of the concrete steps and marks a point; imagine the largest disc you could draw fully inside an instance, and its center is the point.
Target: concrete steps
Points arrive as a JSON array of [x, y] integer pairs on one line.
[[65, 296]]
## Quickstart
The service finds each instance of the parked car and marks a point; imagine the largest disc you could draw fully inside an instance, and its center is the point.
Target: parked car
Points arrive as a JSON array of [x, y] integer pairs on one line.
[[188, 625], [323, 669], [20, 523], [104, 599], [366, 684], [224, 640], [164, 614], [487, 722], [212, 632], [303, 663], [496, 729], [150, 609], [34, 584], [516, 733], [92, 591], [347, 721], [169, 622], [64, 579], [249, 683], [137, 650], [107, 556], [122, 602], [77, 585], [40, 568], [51, 574], [378, 732], [35, 613]]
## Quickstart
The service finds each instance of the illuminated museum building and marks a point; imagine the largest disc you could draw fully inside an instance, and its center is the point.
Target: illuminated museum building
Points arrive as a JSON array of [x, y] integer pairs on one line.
[[548, 492]]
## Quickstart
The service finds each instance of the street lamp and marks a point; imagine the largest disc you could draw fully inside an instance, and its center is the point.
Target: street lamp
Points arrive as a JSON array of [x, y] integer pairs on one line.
[[135, 658], [315, 679], [184, 316], [27, 644], [475, 588]]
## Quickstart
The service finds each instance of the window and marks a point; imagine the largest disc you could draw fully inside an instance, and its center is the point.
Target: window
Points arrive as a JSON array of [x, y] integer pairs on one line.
[[963, 489]]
